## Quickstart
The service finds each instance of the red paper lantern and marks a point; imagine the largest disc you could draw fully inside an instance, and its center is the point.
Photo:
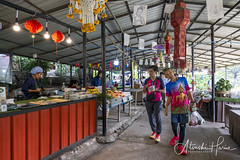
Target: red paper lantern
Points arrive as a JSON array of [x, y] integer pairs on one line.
[[180, 18], [33, 26], [57, 38]]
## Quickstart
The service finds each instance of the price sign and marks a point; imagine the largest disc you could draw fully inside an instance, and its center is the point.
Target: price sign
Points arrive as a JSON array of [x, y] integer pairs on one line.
[[2, 93], [4, 108], [125, 99], [130, 98]]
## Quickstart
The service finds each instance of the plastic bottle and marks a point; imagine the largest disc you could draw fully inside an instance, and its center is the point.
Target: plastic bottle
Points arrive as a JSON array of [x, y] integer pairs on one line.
[[63, 86]]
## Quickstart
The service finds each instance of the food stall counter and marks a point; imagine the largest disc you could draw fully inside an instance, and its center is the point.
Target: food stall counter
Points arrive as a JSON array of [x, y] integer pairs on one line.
[[44, 131]]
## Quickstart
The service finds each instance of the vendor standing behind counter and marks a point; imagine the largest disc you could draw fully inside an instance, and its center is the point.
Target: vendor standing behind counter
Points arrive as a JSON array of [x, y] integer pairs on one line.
[[97, 81], [31, 87]]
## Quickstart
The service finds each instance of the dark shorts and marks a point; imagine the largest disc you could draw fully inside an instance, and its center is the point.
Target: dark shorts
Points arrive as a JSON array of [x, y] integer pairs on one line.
[[180, 118]]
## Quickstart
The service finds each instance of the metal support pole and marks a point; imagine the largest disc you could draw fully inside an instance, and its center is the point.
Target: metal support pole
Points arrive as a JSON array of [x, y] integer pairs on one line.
[[226, 72], [61, 71], [84, 60], [213, 71], [138, 72], [104, 111], [131, 69], [123, 68], [89, 74], [70, 72], [193, 68], [111, 74]]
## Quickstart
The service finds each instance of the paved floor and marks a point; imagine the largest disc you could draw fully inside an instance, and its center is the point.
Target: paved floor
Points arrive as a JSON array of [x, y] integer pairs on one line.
[[134, 143]]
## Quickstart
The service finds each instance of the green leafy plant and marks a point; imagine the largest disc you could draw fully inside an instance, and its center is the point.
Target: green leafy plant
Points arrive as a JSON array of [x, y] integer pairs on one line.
[[223, 85], [99, 97]]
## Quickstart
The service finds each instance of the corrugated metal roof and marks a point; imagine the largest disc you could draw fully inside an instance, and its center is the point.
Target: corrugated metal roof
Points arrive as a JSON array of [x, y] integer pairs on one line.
[[21, 42]]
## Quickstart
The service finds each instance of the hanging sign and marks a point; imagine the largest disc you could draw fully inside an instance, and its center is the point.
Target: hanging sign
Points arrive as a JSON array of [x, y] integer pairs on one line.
[[126, 39], [141, 44], [146, 62], [151, 62], [124, 99], [164, 65], [139, 15], [215, 9], [169, 65], [140, 61], [169, 7]]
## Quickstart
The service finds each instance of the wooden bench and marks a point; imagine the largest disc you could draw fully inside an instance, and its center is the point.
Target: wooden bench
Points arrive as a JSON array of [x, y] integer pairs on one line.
[[234, 127]]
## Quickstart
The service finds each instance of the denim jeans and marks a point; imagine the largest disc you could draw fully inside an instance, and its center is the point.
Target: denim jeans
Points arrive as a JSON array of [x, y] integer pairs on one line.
[[153, 110], [182, 119]]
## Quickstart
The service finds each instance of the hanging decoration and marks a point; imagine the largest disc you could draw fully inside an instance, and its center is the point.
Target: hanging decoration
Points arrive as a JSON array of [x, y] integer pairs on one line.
[[168, 39], [125, 62], [153, 45], [180, 18], [76, 64], [160, 56], [110, 65], [98, 65], [89, 64], [57, 38], [88, 12], [34, 27]]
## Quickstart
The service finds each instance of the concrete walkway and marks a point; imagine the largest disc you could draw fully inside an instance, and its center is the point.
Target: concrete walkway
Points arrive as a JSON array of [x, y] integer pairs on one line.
[[134, 143]]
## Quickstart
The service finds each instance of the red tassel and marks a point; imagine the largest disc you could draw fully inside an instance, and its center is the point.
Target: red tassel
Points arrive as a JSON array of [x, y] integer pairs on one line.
[[56, 48]]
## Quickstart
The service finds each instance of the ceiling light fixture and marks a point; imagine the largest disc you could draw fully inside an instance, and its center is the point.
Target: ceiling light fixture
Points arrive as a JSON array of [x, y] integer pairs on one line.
[[16, 26], [116, 62], [69, 40], [46, 35]]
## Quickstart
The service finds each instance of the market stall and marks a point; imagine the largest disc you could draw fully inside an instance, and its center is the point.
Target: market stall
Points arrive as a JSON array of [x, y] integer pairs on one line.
[[114, 98], [44, 128]]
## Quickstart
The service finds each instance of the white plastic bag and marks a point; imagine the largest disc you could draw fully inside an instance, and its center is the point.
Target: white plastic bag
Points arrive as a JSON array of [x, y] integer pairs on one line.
[[196, 119]]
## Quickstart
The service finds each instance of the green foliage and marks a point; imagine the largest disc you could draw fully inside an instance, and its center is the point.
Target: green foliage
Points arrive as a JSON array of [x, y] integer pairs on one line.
[[99, 97], [27, 64], [202, 81], [65, 69], [233, 75], [223, 85]]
